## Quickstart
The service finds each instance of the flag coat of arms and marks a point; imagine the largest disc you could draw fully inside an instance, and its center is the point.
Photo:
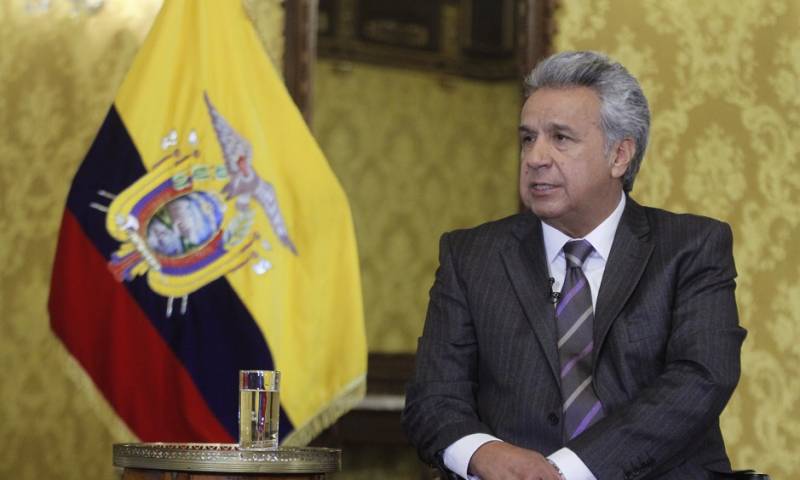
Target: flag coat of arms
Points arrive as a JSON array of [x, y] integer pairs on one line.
[[204, 234]]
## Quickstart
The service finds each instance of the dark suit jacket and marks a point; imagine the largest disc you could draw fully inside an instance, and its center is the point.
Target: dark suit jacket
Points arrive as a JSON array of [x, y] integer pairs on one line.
[[665, 363]]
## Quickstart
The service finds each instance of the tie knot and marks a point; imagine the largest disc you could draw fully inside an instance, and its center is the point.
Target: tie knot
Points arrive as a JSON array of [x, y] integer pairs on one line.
[[576, 252]]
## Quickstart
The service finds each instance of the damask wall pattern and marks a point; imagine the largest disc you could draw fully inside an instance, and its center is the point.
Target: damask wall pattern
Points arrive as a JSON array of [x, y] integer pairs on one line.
[[61, 62], [723, 79], [418, 154]]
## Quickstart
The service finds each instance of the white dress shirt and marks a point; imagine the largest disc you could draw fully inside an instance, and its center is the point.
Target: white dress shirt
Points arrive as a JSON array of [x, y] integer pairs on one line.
[[458, 454]]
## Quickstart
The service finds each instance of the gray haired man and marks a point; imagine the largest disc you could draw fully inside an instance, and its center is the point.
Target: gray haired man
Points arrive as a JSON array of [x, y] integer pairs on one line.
[[588, 337]]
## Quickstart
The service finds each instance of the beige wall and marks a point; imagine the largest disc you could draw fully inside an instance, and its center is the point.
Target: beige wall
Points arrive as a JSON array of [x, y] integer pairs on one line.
[[723, 79], [417, 154]]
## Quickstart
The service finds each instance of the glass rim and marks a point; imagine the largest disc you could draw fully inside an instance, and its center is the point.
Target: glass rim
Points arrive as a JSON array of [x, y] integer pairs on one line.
[[259, 379]]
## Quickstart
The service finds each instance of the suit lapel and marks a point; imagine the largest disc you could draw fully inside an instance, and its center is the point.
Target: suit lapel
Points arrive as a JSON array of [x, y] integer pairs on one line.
[[526, 267], [629, 255]]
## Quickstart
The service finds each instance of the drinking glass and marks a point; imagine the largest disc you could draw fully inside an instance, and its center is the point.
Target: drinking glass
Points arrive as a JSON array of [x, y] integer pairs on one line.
[[258, 409]]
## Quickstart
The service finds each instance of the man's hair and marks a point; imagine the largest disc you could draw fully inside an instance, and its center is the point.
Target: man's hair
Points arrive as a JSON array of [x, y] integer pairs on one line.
[[623, 107]]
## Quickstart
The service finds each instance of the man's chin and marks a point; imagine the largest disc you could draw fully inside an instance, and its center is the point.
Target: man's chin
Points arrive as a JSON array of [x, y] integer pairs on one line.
[[542, 209]]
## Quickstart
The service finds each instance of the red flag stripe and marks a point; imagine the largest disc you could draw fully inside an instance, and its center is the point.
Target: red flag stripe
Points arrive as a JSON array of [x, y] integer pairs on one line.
[[157, 399]]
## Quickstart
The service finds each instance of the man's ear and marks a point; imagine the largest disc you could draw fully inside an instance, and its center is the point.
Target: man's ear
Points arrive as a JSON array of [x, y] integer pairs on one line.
[[622, 156]]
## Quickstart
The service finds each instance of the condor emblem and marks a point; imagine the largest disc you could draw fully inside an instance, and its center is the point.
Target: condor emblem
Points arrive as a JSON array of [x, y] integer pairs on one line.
[[188, 222]]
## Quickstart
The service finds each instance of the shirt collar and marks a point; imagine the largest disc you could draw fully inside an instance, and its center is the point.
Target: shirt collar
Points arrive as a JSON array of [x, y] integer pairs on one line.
[[601, 237]]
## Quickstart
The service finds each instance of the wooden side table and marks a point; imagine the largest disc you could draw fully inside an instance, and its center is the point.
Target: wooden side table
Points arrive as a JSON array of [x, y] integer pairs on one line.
[[222, 461]]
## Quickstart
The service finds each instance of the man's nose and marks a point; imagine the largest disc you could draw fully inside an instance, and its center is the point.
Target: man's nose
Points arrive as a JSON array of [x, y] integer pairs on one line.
[[537, 154]]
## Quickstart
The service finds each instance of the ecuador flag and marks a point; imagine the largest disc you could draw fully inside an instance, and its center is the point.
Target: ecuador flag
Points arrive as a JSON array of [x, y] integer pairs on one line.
[[205, 233]]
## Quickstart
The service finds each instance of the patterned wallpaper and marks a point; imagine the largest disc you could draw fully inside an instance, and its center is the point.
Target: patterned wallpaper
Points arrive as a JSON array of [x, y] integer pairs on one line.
[[723, 79], [419, 154]]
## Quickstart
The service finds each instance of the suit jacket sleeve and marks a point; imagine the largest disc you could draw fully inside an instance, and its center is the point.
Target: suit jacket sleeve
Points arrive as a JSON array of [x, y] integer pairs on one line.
[[440, 399], [702, 364]]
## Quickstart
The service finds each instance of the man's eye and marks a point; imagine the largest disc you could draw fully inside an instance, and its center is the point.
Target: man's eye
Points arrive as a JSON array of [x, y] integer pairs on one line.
[[561, 137]]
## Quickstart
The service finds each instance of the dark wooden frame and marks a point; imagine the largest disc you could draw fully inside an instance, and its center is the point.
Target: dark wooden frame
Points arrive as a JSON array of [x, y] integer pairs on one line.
[[536, 34], [300, 53], [467, 55], [534, 30]]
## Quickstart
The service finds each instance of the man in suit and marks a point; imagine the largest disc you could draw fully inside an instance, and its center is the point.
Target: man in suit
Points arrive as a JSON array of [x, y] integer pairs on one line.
[[623, 373]]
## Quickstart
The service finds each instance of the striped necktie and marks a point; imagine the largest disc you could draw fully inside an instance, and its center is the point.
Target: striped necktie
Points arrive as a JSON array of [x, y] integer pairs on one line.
[[575, 318]]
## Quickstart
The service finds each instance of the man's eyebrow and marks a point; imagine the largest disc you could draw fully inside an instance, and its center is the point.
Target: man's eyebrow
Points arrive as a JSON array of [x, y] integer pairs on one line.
[[560, 127], [550, 127]]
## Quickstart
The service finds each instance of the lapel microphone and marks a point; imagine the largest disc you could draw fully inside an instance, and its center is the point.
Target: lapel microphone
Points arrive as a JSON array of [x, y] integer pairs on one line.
[[554, 296]]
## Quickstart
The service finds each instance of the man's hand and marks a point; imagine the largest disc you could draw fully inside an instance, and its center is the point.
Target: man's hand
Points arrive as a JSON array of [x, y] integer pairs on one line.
[[503, 461]]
